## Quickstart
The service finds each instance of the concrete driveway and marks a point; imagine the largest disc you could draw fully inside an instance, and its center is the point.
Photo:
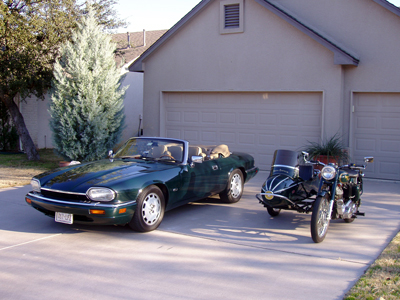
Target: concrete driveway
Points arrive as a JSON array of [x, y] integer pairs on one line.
[[204, 250]]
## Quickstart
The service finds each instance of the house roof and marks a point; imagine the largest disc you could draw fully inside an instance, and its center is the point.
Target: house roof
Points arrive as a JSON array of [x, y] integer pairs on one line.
[[343, 55], [139, 43], [393, 8]]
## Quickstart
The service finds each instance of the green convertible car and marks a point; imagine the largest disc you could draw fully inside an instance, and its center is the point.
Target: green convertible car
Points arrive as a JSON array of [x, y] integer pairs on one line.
[[138, 183]]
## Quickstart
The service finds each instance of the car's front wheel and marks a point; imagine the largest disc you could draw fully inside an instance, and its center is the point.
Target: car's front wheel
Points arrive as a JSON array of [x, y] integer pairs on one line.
[[149, 211], [234, 189]]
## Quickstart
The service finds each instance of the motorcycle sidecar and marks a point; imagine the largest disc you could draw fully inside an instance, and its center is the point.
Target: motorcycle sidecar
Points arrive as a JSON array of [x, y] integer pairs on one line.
[[290, 185]]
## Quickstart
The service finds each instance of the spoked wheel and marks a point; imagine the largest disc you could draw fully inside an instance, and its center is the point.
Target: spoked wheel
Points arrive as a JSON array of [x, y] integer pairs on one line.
[[149, 211], [320, 219], [234, 189], [273, 211]]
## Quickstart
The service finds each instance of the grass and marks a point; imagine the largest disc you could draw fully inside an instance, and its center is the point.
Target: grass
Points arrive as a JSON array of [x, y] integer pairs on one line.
[[380, 281], [48, 160], [17, 170]]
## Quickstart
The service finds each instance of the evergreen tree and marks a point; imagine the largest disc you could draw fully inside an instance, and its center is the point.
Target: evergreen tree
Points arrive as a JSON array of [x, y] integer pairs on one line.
[[86, 104]]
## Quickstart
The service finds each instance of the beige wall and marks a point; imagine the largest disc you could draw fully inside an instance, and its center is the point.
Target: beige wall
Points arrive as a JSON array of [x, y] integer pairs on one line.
[[367, 28], [270, 55]]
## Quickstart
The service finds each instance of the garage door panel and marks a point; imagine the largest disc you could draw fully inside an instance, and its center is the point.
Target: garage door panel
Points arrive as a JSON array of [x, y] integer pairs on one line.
[[389, 168], [376, 123], [191, 117], [267, 119], [174, 116], [209, 118], [365, 144], [390, 146], [391, 123], [228, 138], [257, 123]]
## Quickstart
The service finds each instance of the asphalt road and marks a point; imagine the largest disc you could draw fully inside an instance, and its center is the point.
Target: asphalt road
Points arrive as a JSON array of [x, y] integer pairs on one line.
[[203, 250]]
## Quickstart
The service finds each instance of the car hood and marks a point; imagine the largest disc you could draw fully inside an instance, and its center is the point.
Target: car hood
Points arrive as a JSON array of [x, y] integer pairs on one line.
[[79, 178]]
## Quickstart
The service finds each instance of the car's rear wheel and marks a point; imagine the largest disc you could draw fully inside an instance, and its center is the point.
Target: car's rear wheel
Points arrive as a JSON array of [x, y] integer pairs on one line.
[[234, 189], [149, 210]]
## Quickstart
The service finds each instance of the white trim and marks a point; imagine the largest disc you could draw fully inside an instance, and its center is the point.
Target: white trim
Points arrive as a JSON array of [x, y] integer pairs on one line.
[[162, 115]]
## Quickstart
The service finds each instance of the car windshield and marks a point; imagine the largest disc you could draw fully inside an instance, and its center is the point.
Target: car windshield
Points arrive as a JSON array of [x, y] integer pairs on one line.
[[151, 149]]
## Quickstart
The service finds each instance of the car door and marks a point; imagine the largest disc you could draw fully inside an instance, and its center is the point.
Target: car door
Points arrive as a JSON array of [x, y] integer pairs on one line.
[[200, 180]]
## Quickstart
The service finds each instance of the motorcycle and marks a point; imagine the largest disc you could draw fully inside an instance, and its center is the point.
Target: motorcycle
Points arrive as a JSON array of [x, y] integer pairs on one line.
[[332, 193], [339, 196], [291, 185]]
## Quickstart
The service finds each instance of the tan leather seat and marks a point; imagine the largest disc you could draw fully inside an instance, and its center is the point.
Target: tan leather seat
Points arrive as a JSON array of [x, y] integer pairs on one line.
[[222, 150], [157, 151]]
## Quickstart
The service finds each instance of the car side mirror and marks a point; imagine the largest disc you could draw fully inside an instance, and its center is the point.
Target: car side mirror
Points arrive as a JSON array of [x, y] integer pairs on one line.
[[306, 155], [196, 160], [369, 159]]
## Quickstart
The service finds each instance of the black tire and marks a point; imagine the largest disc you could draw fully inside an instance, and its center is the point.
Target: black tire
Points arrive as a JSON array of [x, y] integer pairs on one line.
[[273, 211], [320, 219], [234, 188], [149, 210], [349, 220]]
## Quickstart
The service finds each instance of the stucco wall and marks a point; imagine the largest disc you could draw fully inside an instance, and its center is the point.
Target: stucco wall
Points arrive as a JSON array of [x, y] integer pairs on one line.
[[368, 29], [270, 55]]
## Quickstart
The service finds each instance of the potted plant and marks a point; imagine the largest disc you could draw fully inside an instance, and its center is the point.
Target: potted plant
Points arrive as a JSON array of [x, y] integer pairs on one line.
[[328, 151]]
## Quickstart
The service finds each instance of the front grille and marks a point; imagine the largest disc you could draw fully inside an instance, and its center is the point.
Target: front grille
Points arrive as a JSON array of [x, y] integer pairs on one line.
[[59, 195]]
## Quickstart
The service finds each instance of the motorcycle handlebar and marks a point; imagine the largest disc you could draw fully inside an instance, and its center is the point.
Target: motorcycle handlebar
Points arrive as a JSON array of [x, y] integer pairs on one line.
[[354, 166], [351, 166]]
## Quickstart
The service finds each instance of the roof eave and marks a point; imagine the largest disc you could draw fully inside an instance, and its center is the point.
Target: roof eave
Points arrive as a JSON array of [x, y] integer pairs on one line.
[[393, 8], [342, 56]]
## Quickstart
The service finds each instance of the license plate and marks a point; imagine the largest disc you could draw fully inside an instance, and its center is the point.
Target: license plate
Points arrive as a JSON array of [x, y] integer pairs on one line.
[[64, 218]]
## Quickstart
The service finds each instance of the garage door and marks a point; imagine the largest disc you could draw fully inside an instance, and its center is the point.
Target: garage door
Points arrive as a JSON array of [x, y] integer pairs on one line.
[[376, 132], [256, 123]]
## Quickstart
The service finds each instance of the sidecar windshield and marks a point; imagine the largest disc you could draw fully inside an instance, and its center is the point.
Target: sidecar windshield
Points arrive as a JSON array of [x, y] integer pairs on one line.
[[285, 162]]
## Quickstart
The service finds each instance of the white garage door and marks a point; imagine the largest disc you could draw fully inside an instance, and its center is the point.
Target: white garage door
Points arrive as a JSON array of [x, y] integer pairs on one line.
[[256, 123], [376, 132]]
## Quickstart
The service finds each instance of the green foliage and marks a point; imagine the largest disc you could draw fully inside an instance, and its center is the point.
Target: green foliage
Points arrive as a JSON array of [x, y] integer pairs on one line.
[[8, 133], [86, 102], [106, 16], [332, 147], [31, 33]]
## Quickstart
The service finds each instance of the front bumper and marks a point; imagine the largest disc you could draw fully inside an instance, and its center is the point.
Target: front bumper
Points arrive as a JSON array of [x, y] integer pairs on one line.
[[113, 214]]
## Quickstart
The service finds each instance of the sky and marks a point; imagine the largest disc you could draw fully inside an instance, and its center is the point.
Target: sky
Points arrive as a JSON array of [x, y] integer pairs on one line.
[[158, 14], [152, 14]]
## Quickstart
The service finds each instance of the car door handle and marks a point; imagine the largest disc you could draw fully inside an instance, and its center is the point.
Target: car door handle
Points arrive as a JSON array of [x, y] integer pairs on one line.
[[215, 167]]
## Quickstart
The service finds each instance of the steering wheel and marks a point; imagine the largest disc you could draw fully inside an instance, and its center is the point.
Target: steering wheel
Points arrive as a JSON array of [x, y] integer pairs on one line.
[[169, 156]]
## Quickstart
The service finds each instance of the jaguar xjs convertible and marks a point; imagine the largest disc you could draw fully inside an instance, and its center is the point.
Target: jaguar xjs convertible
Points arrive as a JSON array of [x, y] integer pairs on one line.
[[141, 181]]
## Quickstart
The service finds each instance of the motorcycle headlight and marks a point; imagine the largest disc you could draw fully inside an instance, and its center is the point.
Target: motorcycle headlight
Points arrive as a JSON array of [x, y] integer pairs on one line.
[[35, 185], [328, 172], [100, 194]]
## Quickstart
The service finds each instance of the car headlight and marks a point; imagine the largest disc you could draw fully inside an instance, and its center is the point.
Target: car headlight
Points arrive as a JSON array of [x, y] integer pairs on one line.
[[35, 185], [328, 172], [100, 194]]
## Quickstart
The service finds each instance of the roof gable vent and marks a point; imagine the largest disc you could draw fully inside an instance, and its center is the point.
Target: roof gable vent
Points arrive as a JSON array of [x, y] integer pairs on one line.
[[232, 16]]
